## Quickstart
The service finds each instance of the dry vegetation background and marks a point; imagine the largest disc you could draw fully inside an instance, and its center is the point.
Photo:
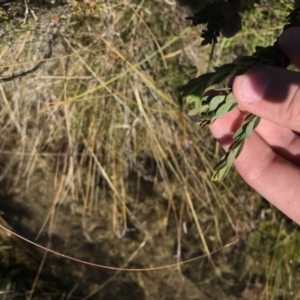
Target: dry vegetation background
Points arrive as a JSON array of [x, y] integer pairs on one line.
[[98, 161]]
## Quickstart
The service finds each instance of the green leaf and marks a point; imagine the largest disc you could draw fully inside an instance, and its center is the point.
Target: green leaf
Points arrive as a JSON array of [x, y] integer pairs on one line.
[[223, 109], [213, 119], [239, 133], [215, 102], [197, 104], [227, 68], [232, 107], [204, 109], [256, 122], [248, 60], [249, 117], [230, 98], [217, 78], [221, 164], [194, 111], [240, 70], [227, 89], [196, 85], [249, 129], [237, 151], [202, 79], [193, 99], [220, 174], [251, 126], [236, 144], [230, 157], [204, 43], [205, 98], [189, 89], [192, 90]]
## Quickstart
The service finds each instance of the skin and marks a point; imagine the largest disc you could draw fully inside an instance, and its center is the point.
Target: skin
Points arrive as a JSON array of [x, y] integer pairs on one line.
[[270, 160]]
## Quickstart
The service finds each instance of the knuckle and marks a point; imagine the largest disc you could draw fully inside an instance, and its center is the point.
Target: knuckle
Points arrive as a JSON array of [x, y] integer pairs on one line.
[[255, 171], [292, 112]]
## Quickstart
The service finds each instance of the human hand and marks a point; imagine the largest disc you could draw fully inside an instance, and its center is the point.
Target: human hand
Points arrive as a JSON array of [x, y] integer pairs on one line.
[[270, 160]]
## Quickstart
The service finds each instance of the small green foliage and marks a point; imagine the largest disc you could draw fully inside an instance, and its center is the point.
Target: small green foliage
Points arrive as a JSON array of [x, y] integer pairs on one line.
[[272, 55], [215, 102], [225, 108], [211, 15], [293, 18], [222, 172], [208, 105]]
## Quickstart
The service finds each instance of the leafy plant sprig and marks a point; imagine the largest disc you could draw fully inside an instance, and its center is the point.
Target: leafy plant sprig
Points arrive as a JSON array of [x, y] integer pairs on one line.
[[211, 15], [207, 106]]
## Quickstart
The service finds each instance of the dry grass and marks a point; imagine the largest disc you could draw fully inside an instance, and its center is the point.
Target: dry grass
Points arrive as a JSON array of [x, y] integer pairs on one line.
[[99, 130]]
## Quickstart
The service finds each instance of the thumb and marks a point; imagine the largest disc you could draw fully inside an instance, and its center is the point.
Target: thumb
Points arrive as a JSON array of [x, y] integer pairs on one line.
[[271, 93]]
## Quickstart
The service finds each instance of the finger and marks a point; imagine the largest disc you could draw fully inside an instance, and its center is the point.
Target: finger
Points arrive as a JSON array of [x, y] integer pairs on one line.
[[289, 42], [269, 174], [283, 141], [272, 176], [224, 128], [271, 93]]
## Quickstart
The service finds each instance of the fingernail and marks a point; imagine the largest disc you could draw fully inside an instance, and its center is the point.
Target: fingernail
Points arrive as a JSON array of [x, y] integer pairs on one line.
[[255, 85]]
